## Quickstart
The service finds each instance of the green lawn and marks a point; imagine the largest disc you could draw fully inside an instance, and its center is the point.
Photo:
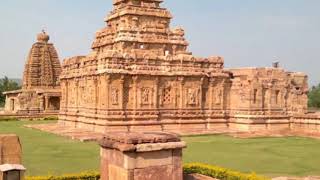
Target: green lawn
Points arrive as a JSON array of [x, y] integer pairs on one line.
[[44, 153], [293, 156], [49, 154]]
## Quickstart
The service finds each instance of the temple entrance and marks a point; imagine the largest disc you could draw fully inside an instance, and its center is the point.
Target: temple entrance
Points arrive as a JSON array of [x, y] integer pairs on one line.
[[12, 104], [54, 103]]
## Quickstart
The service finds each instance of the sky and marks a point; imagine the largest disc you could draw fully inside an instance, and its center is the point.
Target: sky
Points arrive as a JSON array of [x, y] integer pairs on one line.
[[247, 33]]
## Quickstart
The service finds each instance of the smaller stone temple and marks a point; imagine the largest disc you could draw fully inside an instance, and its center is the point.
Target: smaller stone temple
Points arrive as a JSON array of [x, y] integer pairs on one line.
[[40, 93]]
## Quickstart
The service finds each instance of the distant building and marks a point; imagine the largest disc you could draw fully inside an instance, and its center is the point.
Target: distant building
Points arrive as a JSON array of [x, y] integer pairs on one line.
[[40, 91]]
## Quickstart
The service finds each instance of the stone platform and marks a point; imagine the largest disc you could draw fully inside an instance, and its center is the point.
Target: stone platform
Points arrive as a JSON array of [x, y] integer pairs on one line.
[[85, 135], [82, 135], [282, 133]]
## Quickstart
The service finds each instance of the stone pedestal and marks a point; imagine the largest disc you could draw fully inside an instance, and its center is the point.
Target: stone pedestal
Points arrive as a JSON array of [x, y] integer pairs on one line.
[[141, 156]]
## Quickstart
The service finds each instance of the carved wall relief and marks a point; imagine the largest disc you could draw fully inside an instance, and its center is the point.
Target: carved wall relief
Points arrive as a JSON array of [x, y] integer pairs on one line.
[[192, 95], [114, 96], [146, 96], [218, 97]]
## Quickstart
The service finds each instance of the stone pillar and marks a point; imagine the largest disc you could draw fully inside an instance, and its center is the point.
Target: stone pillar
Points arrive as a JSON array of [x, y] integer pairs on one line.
[[66, 95], [41, 103], [156, 94], [46, 103], [108, 83], [200, 97], [96, 86], [10, 149], [135, 92], [141, 156], [211, 93], [181, 86], [77, 93], [10, 158], [121, 95]]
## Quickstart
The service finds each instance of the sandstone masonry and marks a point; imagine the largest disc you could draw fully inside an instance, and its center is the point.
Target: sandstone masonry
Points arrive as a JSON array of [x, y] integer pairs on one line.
[[140, 76]]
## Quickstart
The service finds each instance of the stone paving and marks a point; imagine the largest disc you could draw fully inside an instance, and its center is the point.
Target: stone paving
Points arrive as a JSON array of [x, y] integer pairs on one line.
[[87, 135], [83, 135]]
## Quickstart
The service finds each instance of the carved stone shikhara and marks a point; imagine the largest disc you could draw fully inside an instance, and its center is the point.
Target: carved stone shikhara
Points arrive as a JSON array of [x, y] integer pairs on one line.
[[40, 93], [139, 75]]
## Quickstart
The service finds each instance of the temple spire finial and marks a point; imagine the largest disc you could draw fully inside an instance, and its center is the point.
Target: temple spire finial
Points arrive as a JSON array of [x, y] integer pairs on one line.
[[43, 36]]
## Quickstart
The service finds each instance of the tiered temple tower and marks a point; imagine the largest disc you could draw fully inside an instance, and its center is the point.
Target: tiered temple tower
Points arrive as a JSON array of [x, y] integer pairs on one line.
[[140, 76], [140, 73], [40, 93], [42, 69]]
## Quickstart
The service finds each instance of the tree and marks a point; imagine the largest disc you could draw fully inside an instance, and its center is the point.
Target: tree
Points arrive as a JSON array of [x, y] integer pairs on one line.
[[314, 97], [6, 85]]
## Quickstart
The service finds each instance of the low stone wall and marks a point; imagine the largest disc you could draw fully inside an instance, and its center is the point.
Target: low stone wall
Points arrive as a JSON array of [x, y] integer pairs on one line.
[[308, 123]]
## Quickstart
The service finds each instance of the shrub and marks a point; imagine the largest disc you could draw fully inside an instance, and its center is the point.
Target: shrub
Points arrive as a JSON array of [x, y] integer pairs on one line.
[[51, 118], [7, 118], [204, 169], [219, 173], [83, 176]]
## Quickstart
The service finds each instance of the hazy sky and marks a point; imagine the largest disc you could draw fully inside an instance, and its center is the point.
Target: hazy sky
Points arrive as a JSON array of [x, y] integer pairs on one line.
[[244, 32]]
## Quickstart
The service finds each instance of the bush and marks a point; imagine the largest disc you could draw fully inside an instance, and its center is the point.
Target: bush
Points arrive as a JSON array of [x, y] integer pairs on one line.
[[7, 118], [219, 173], [51, 118], [83, 176], [204, 169]]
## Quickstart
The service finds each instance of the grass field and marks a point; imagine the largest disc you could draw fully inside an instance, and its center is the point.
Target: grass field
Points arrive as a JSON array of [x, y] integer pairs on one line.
[[49, 154], [44, 153]]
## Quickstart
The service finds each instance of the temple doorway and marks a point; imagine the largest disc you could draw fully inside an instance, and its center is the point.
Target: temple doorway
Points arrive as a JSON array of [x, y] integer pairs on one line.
[[54, 103], [12, 104]]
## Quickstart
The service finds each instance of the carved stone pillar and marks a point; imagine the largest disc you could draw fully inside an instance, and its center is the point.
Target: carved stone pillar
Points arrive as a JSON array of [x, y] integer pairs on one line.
[[222, 91], [46, 103], [66, 94], [41, 103], [181, 96], [135, 92], [156, 94], [108, 82], [77, 93], [211, 93], [121, 93], [96, 86], [201, 104]]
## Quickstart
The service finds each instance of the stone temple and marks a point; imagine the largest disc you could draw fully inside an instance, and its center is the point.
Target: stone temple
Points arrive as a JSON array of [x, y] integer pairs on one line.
[[141, 76], [40, 93]]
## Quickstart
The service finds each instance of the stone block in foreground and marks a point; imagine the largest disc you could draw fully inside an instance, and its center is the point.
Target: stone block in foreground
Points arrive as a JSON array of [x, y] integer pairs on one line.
[[141, 156], [10, 149]]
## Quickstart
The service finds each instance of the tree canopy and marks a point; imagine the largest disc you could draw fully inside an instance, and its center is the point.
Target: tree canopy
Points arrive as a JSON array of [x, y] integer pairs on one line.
[[6, 85], [314, 97]]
